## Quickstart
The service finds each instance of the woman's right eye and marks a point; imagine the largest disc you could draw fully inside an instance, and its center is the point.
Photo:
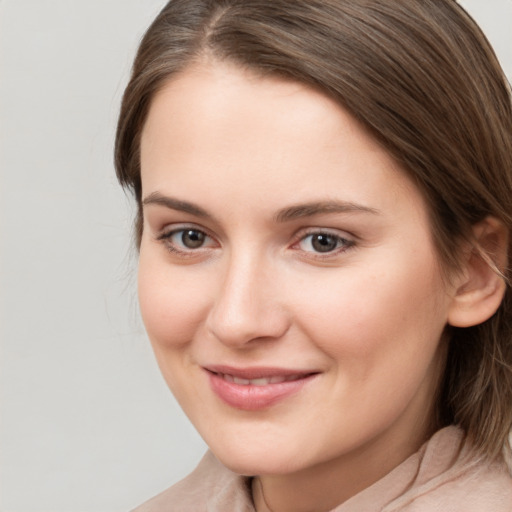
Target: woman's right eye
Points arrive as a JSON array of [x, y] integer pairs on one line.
[[186, 240]]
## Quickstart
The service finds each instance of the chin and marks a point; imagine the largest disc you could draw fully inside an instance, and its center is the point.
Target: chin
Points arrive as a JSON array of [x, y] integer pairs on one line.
[[249, 461]]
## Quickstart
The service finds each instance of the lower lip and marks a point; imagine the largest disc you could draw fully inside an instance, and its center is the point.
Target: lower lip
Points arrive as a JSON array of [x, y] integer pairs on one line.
[[252, 398]]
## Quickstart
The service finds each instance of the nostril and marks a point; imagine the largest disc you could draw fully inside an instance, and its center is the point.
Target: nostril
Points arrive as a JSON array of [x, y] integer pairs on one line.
[[247, 325]]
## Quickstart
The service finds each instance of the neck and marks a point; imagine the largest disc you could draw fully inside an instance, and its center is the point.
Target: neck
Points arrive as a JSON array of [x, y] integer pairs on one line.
[[323, 487]]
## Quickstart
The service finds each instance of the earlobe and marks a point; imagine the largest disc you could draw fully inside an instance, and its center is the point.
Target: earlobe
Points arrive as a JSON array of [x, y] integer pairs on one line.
[[481, 285]]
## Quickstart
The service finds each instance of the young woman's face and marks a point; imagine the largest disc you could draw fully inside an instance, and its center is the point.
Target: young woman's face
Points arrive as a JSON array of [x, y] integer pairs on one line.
[[288, 279]]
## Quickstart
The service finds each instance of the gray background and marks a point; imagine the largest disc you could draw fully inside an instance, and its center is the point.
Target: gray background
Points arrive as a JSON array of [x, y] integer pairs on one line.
[[87, 423]]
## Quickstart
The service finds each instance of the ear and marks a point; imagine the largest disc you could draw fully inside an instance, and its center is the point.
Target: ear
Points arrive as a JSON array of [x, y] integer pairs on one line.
[[481, 286]]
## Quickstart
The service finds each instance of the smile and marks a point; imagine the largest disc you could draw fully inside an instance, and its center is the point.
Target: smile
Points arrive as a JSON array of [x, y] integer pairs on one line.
[[256, 389], [262, 381]]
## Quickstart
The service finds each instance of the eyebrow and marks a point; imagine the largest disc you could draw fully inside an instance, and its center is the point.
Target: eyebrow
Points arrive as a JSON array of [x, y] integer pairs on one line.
[[321, 207], [175, 204], [287, 214]]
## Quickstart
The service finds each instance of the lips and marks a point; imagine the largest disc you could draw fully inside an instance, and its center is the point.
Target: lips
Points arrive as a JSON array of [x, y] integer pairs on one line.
[[253, 389], [261, 381]]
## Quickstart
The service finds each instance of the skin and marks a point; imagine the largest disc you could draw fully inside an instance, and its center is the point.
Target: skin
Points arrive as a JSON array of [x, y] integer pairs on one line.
[[368, 316]]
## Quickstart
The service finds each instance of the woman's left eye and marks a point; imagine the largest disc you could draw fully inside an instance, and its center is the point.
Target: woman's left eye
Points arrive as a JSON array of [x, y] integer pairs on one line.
[[323, 243]]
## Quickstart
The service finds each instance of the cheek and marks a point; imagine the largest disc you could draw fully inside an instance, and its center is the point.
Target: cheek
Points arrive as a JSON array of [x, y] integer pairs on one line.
[[172, 307], [360, 314]]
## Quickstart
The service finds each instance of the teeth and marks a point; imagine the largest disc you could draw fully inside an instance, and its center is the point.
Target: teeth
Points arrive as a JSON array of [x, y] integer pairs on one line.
[[243, 382], [263, 381]]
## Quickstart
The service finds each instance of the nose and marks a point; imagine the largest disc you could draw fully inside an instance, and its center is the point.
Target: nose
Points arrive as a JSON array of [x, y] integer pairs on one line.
[[248, 306]]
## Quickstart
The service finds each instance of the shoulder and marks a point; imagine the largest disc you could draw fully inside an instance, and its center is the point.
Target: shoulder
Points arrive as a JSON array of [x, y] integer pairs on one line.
[[211, 487], [481, 489], [469, 484]]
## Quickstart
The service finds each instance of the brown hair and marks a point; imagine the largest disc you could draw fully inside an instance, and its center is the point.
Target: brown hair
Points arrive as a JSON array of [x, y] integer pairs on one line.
[[423, 78]]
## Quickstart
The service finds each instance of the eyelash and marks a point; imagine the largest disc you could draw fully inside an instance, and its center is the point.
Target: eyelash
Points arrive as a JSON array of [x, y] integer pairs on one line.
[[343, 244], [166, 239]]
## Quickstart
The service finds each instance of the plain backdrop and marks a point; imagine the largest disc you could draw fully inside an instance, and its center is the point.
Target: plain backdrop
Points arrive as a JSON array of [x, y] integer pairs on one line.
[[87, 423]]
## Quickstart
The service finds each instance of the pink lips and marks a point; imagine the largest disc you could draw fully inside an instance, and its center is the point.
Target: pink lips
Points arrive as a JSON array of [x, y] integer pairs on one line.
[[252, 389]]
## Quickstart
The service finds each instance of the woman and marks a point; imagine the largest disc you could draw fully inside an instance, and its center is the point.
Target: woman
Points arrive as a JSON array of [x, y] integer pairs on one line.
[[324, 209]]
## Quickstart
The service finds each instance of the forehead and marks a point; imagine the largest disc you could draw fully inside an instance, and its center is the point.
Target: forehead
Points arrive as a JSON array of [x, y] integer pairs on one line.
[[221, 95], [219, 128], [217, 95]]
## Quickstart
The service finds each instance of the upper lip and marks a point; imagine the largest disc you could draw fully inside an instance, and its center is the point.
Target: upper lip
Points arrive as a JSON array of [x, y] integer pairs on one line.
[[257, 372]]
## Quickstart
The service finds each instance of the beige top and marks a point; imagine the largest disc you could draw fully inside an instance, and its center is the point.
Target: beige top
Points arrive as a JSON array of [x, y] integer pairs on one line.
[[442, 476]]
